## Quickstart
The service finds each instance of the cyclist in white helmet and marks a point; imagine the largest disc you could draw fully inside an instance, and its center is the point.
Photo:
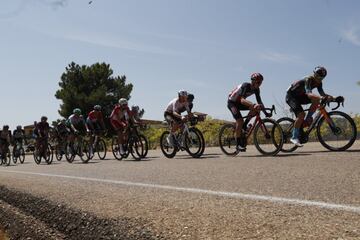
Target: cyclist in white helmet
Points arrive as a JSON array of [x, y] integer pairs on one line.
[[173, 113]]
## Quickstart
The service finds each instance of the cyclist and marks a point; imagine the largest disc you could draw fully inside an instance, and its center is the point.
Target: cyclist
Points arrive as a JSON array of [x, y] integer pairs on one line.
[[237, 102], [95, 119], [76, 124], [62, 133], [18, 137], [300, 93], [41, 132], [95, 124], [5, 140], [119, 120], [173, 112]]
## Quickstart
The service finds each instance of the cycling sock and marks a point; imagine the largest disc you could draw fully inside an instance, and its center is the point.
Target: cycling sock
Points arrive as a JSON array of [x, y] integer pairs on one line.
[[295, 133]]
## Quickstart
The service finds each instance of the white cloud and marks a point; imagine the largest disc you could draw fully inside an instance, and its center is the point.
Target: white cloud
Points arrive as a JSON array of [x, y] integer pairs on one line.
[[278, 57], [108, 41], [352, 35]]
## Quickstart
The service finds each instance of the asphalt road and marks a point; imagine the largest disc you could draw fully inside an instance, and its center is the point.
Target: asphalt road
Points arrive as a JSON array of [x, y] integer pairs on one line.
[[309, 194]]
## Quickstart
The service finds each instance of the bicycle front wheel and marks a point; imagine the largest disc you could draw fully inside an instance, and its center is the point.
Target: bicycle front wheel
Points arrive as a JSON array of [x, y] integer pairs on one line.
[[21, 155], [168, 148], [136, 147], [287, 125], [194, 143], [268, 137], [115, 147], [338, 132], [227, 141], [145, 144], [101, 149]]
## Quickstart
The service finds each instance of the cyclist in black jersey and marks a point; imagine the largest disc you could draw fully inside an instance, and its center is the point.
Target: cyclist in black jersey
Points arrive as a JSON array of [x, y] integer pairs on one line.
[[300, 93], [237, 101]]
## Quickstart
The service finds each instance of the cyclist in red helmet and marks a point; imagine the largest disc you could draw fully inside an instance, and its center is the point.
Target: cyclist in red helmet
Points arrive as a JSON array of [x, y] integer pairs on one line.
[[237, 102], [300, 93]]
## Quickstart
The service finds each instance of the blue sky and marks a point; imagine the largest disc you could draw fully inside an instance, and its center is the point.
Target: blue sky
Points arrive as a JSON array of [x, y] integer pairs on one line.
[[204, 46]]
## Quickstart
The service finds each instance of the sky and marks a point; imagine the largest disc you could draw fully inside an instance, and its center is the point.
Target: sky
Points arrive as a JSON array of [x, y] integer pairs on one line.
[[207, 47]]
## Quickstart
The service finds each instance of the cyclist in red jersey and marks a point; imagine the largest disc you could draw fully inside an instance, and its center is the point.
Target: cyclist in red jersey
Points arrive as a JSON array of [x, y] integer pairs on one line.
[[95, 119], [119, 120]]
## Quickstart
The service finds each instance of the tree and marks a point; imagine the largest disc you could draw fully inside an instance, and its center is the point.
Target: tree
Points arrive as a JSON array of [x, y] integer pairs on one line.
[[85, 86]]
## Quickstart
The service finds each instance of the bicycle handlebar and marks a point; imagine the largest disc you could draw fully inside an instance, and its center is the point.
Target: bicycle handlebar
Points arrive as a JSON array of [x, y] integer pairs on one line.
[[272, 109]]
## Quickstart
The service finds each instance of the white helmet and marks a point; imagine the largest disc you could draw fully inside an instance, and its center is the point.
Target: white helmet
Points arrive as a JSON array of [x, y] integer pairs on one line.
[[182, 93], [123, 101]]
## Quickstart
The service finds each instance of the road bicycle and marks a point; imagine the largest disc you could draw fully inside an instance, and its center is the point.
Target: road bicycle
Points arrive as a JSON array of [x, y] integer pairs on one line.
[[42, 150], [267, 135], [97, 145], [78, 147], [5, 156], [135, 144], [188, 138], [18, 152], [335, 130]]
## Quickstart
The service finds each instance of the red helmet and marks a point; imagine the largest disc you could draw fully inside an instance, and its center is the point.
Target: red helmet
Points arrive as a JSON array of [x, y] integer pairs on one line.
[[256, 77]]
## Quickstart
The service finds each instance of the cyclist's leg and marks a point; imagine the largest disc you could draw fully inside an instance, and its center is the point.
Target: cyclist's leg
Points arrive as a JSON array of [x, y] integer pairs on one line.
[[235, 111], [295, 105], [315, 101]]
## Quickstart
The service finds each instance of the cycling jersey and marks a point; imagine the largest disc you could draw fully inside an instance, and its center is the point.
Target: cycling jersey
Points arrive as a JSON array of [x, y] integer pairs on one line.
[[5, 136], [119, 117], [42, 129], [305, 85], [95, 116], [243, 91], [77, 121], [176, 106], [18, 134]]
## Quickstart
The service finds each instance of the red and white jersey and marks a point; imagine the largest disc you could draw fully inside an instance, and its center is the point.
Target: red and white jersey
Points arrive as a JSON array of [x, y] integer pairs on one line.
[[176, 106], [120, 113]]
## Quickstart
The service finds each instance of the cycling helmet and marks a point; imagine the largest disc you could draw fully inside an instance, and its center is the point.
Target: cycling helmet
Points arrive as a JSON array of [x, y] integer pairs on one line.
[[18, 127], [182, 93], [77, 111], [135, 108], [320, 71], [190, 97], [6, 127], [123, 101], [256, 77], [97, 108], [43, 118]]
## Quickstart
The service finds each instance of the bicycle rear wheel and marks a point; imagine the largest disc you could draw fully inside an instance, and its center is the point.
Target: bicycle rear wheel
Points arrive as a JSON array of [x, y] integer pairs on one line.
[[268, 137], [338, 133], [227, 141], [287, 125]]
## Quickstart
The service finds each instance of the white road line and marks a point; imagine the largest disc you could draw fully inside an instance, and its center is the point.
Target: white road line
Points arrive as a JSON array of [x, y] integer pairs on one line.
[[290, 201]]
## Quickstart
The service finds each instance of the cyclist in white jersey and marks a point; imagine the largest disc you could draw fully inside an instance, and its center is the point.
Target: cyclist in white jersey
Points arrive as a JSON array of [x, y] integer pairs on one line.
[[173, 113]]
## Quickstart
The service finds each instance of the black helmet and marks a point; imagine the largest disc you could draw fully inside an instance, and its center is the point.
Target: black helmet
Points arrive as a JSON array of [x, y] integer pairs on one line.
[[320, 71], [44, 118], [190, 97]]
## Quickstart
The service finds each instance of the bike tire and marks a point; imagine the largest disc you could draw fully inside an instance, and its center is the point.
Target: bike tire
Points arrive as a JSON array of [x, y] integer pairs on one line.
[[101, 149], [69, 153], [349, 141], [83, 151], [145, 146], [189, 142], [136, 147], [287, 125], [21, 155], [227, 141], [262, 133], [115, 148], [168, 150], [49, 154]]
